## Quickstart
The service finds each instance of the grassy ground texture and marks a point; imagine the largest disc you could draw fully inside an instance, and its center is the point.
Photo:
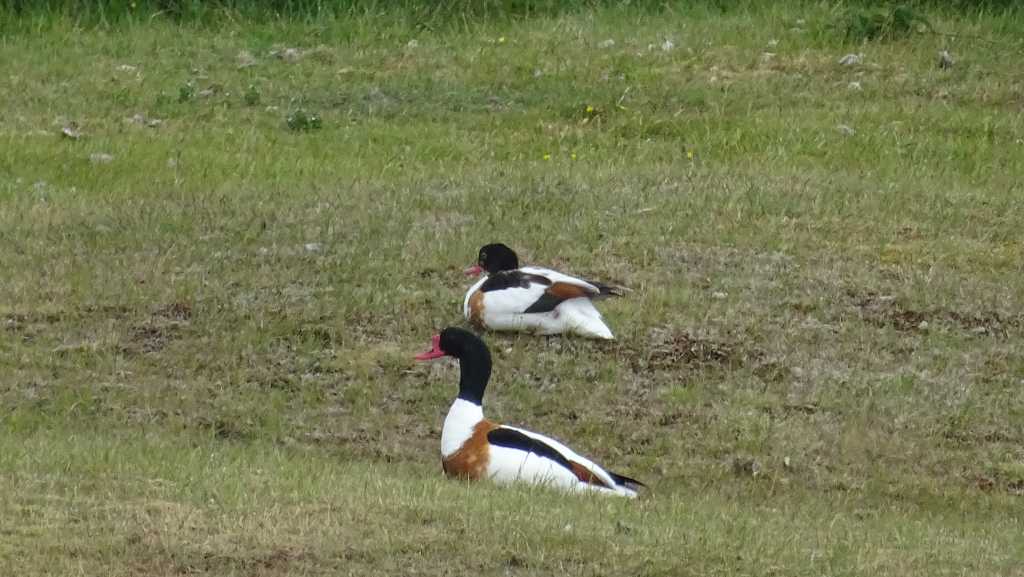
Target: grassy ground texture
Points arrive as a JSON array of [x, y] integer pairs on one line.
[[221, 247]]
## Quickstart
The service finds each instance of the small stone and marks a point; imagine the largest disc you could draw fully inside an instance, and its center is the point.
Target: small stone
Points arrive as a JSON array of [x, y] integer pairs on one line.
[[922, 326], [206, 93], [313, 247], [70, 130], [855, 85], [851, 59], [126, 68], [745, 467], [412, 43], [945, 60], [719, 295], [141, 120], [101, 158], [246, 59], [846, 130], [606, 43]]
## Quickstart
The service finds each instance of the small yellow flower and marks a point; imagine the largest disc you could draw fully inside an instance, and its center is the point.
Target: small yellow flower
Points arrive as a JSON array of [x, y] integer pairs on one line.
[[689, 154], [501, 40], [589, 109], [573, 156], [547, 156]]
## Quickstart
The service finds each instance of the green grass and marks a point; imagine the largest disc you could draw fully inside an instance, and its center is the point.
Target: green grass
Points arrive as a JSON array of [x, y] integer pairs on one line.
[[164, 506], [206, 340]]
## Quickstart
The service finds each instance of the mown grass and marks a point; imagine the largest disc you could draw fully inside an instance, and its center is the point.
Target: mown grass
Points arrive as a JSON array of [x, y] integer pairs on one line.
[[207, 335], [102, 504]]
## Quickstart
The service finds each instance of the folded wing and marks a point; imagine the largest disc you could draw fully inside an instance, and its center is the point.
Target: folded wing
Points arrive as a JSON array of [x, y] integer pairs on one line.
[[584, 469]]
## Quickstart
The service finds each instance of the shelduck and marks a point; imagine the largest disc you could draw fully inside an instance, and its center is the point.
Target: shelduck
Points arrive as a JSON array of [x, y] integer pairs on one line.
[[473, 447], [514, 298]]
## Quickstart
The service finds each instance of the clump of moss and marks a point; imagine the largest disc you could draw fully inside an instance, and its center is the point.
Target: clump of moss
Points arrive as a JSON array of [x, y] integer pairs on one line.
[[883, 25], [301, 121]]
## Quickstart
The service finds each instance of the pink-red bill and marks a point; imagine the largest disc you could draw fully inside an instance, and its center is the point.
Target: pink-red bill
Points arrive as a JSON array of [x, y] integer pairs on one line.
[[433, 353], [474, 270]]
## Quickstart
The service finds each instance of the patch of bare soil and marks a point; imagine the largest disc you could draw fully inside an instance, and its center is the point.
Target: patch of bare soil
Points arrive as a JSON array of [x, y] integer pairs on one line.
[[16, 321], [387, 443], [795, 409], [149, 339], [178, 311], [990, 483], [887, 311], [227, 428], [276, 561], [25, 326], [979, 436], [158, 330], [670, 349]]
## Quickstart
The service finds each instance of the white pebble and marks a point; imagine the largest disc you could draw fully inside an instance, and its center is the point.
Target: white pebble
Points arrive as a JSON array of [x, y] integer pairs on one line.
[[851, 59]]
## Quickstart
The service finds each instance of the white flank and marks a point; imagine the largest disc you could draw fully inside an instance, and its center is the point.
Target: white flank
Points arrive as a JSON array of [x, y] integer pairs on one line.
[[509, 465]]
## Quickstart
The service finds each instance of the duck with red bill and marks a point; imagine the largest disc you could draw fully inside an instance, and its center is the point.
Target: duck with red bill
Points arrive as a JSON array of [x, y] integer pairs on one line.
[[474, 447]]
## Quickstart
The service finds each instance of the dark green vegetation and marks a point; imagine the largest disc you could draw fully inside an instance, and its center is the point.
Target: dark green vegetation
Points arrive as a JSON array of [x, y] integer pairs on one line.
[[210, 302], [460, 13]]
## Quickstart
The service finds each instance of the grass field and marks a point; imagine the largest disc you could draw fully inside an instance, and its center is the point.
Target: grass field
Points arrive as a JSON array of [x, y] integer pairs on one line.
[[213, 286]]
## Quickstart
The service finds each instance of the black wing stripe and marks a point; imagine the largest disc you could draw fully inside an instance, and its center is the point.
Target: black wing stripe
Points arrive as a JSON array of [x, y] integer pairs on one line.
[[545, 304], [624, 481], [512, 439], [512, 279]]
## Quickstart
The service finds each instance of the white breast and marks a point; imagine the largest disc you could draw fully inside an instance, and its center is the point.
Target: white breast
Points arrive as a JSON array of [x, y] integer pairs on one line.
[[458, 425]]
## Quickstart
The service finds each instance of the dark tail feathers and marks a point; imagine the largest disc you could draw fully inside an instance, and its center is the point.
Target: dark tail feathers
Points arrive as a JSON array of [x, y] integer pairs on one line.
[[626, 481], [607, 290]]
